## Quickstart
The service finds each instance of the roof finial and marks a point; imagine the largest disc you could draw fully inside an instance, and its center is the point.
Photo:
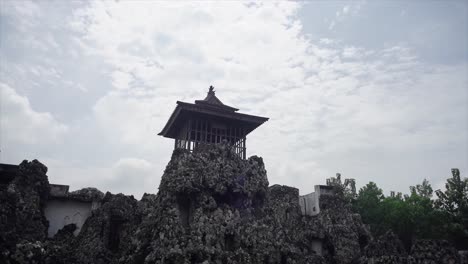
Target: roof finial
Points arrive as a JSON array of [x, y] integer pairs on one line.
[[211, 91]]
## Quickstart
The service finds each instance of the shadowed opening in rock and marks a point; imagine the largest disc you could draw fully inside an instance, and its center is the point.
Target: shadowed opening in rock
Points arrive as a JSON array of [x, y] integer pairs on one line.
[[229, 242], [284, 259], [288, 214], [230, 198], [327, 248], [115, 225], [258, 200], [363, 241], [184, 205]]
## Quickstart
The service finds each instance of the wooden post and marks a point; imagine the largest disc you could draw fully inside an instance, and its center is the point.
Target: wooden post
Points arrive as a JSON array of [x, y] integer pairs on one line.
[[244, 154], [206, 131], [237, 140], [244, 149], [197, 122], [189, 130]]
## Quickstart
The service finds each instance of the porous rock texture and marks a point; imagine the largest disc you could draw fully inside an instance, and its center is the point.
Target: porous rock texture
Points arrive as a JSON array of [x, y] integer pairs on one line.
[[387, 249], [212, 207], [87, 194], [108, 231], [432, 252], [346, 234], [22, 221]]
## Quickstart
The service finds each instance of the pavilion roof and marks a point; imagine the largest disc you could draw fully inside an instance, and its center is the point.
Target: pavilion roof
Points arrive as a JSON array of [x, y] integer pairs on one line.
[[213, 101], [210, 108]]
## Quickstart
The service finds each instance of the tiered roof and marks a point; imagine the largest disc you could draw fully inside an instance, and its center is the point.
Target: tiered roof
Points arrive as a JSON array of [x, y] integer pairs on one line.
[[209, 108]]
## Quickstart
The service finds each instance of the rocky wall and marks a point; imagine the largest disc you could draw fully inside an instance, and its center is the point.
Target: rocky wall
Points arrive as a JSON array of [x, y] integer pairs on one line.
[[22, 220], [211, 207]]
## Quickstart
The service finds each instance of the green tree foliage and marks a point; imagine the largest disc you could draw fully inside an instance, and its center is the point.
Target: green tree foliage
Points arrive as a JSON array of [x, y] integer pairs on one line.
[[368, 204], [453, 203], [397, 215], [455, 198], [423, 190], [346, 189], [418, 215]]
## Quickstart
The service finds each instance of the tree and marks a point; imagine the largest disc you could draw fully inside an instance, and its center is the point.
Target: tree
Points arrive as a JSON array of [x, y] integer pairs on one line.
[[423, 190], [370, 194], [398, 215], [428, 221], [368, 205], [409, 216], [346, 189], [454, 199], [417, 215], [453, 202]]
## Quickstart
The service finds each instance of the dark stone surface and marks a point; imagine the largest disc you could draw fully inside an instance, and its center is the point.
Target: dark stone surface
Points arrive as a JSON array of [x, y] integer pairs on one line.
[[432, 252], [108, 231], [387, 249], [212, 207], [346, 235], [86, 194], [22, 221]]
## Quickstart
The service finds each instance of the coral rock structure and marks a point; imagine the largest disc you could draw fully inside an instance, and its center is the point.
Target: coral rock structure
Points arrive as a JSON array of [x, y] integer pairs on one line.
[[22, 220], [212, 207], [388, 249]]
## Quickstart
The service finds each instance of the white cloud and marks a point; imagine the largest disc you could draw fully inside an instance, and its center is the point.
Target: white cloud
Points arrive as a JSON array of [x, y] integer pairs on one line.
[[157, 64], [133, 118], [20, 124], [371, 114], [345, 9], [327, 41], [131, 176], [27, 10], [321, 105], [352, 53], [135, 176], [343, 14]]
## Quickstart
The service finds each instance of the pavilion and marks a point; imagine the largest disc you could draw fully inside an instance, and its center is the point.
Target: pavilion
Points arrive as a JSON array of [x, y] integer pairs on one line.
[[209, 121]]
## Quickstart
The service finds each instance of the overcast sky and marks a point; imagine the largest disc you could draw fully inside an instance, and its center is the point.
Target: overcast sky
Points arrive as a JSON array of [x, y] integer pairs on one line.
[[374, 90]]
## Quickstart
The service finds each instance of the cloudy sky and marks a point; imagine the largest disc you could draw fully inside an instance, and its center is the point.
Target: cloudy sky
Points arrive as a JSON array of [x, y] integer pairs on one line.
[[374, 90]]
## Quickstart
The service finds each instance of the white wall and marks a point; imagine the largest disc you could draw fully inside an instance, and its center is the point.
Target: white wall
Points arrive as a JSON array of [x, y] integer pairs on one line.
[[63, 212], [309, 204]]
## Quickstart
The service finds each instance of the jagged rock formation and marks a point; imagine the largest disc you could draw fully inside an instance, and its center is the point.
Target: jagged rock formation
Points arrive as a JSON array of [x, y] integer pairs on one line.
[[87, 194], [212, 207], [433, 251], [388, 249], [346, 233], [22, 221], [108, 231]]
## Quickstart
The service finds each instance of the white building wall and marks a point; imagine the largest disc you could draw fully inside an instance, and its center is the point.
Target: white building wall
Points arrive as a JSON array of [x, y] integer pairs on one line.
[[63, 212], [309, 204]]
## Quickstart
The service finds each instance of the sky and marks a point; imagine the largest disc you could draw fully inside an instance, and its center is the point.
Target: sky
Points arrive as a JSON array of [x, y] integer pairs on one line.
[[374, 90]]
